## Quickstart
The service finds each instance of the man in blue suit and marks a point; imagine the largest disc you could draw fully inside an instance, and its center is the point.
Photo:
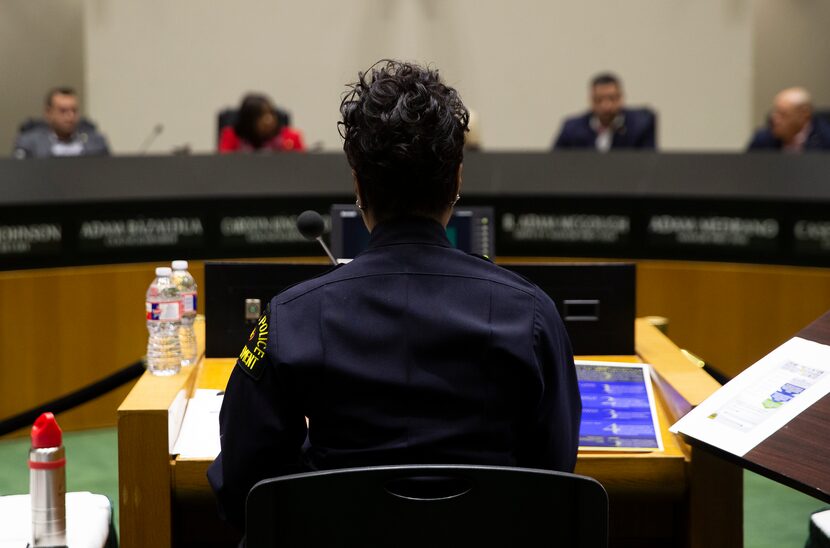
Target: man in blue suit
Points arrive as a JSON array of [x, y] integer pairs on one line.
[[792, 125], [608, 125]]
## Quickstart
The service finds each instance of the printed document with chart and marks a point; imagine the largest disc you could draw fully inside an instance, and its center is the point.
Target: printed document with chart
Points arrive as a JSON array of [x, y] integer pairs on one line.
[[762, 399]]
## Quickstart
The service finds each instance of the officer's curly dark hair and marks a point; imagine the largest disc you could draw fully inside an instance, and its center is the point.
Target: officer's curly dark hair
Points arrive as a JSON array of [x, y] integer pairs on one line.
[[403, 132]]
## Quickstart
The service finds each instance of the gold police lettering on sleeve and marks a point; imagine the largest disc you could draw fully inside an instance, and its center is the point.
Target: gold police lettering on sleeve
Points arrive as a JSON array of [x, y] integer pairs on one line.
[[252, 358]]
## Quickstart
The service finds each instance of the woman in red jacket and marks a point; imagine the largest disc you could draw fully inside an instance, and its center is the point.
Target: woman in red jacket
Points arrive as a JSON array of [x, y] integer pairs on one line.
[[257, 128]]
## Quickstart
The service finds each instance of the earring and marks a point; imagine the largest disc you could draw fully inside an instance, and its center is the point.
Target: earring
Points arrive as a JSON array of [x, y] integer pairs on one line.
[[457, 197], [357, 204]]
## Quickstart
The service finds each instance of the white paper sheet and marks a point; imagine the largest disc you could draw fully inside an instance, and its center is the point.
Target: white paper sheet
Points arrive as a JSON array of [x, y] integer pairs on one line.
[[762, 399], [175, 416], [199, 434], [88, 518]]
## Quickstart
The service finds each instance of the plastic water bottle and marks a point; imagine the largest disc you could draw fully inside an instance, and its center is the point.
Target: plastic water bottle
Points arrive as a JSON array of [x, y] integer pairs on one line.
[[47, 483], [186, 285], [164, 318]]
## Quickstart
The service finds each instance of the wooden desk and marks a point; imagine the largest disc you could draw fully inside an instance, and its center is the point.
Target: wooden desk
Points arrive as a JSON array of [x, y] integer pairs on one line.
[[808, 467], [796, 454], [677, 497]]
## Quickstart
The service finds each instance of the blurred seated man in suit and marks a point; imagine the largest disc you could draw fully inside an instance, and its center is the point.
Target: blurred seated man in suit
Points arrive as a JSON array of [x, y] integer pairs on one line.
[[792, 126], [257, 129], [62, 134], [608, 125]]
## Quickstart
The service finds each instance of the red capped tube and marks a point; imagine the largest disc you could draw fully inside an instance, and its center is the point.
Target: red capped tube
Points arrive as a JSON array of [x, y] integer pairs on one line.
[[47, 483]]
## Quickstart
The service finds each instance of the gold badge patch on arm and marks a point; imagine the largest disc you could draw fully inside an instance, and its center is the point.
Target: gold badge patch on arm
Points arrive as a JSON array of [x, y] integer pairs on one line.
[[252, 359]]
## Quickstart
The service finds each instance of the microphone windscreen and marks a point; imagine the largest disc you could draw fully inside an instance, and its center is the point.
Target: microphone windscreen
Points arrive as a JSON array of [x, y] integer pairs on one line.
[[310, 224]]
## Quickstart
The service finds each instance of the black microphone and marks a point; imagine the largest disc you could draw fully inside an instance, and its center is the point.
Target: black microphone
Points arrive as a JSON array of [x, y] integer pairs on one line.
[[155, 132], [311, 226]]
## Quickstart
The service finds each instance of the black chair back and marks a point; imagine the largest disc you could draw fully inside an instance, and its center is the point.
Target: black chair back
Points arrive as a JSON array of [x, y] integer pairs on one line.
[[428, 506]]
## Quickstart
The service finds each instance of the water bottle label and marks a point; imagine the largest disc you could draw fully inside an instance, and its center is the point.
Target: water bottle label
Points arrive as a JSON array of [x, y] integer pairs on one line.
[[189, 301], [167, 311]]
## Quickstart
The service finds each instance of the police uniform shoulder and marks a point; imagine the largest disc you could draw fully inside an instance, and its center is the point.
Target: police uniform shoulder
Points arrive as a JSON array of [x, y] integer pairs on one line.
[[482, 257], [513, 279], [305, 286], [252, 359]]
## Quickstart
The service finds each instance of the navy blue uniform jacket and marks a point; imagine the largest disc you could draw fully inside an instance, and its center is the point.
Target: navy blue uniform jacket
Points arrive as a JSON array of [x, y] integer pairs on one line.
[[414, 352], [818, 139], [637, 131]]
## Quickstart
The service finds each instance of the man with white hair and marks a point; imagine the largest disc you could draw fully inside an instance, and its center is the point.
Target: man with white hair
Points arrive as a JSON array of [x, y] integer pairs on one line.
[[792, 125]]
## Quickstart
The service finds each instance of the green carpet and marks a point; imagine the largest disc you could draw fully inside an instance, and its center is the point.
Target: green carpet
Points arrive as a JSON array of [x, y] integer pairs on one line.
[[774, 515]]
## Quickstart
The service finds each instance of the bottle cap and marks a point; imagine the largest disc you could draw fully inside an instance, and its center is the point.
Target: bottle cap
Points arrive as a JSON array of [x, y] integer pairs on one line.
[[46, 432], [179, 265], [163, 271]]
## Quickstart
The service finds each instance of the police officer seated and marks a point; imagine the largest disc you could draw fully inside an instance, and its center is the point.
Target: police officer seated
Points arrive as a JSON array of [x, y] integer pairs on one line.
[[64, 133], [414, 352]]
